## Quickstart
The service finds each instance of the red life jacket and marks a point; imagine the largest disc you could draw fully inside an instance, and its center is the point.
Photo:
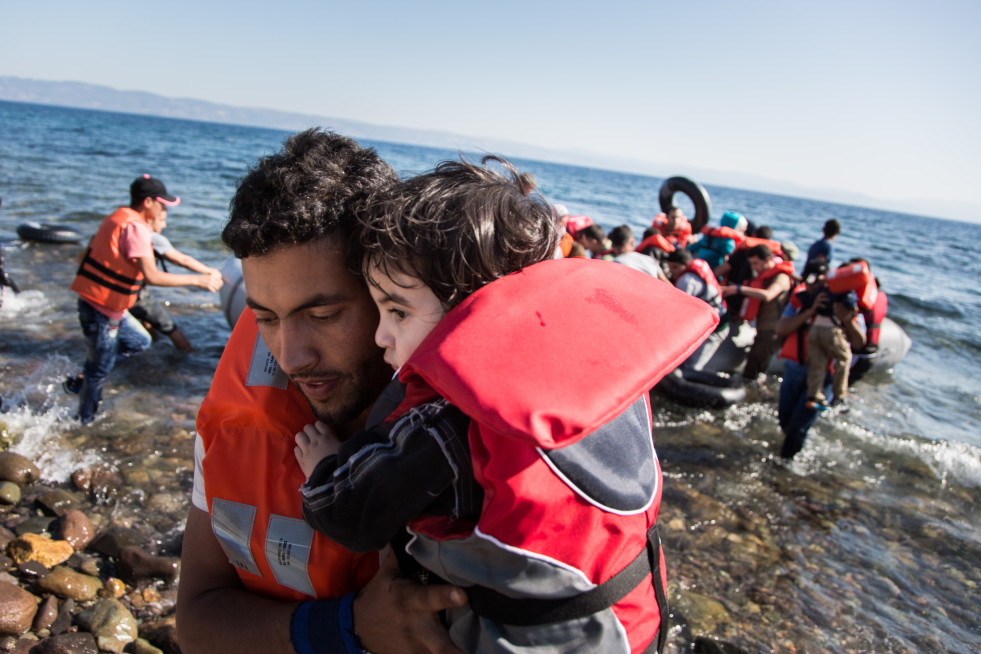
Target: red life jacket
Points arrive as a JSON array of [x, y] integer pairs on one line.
[[794, 346], [855, 277], [873, 319], [555, 523], [575, 223], [751, 306], [251, 479], [105, 277], [723, 232]]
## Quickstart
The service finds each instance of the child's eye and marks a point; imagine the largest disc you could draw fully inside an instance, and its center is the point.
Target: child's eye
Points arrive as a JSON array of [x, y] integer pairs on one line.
[[399, 314]]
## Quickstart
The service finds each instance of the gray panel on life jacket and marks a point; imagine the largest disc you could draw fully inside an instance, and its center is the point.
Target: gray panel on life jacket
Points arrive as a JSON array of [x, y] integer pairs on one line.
[[613, 467]]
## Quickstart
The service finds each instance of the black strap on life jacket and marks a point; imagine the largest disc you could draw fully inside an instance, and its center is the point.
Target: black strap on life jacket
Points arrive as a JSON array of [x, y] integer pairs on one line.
[[490, 604], [132, 286]]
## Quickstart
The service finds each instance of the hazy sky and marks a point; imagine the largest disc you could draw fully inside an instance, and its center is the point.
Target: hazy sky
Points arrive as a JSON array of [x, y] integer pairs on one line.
[[880, 97]]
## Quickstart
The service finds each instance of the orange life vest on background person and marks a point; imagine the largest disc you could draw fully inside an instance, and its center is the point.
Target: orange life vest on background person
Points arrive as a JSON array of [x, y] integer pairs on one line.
[[750, 241], [574, 223], [246, 423], [751, 305], [655, 241], [565, 244], [873, 319], [105, 277], [679, 236]]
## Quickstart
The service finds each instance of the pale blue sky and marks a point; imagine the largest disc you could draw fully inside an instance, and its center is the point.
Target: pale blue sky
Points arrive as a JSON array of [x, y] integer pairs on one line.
[[879, 97]]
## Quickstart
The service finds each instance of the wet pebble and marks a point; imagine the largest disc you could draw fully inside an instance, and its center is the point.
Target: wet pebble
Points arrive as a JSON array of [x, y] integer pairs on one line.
[[65, 582], [17, 609], [70, 643], [76, 528], [18, 468], [134, 564], [34, 547], [111, 623], [9, 492]]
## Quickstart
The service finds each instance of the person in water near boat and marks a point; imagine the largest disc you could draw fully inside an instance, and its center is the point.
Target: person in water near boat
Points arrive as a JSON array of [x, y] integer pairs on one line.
[[828, 344], [458, 259], [764, 299], [148, 310], [255, 579], [118, 261], [622, 240], [793, 414], [863, 358], [823, 249]]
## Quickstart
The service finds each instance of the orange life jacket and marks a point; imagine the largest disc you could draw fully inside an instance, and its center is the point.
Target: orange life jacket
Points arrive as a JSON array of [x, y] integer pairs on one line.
[[750, 241], [855, 277], [873, 318], [565, 244], [656, 241], [723, 232], [251, 479], [679, 236], [751, 305], [105, 277], [794, 346]]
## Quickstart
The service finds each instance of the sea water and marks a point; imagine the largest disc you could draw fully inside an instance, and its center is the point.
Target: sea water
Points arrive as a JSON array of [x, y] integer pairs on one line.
[[868, 542]]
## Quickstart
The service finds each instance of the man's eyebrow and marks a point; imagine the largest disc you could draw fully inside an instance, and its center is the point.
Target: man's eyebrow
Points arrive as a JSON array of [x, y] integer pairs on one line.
[[319, 300]]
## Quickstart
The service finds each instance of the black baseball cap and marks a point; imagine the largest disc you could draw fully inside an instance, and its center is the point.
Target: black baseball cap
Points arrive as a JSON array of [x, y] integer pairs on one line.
[[814, 269], [151, 187]]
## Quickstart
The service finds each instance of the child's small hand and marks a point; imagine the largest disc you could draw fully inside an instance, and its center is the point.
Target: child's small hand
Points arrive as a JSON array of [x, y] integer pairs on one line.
[[313, 444]]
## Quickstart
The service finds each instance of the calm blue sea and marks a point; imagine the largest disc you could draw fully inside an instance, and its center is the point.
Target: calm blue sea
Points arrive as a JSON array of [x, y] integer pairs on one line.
[[72, 167]]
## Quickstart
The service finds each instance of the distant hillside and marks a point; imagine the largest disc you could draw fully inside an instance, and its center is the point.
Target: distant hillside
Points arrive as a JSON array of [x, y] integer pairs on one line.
[[91, 96]]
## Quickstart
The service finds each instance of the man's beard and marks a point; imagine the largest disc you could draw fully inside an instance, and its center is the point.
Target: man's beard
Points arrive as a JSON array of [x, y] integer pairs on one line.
[[360, 390]]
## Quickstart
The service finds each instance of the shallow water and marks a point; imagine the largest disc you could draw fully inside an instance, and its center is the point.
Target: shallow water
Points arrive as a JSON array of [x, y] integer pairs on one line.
[[867, 543]]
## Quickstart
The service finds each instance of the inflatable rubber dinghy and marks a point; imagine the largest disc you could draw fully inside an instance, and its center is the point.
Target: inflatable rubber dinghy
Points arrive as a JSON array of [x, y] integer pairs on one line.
[[48, 233], [232, 292]]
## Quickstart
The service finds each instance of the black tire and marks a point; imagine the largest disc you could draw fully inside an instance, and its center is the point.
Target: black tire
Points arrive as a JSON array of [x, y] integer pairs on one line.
[[695, 192], [48, 233]]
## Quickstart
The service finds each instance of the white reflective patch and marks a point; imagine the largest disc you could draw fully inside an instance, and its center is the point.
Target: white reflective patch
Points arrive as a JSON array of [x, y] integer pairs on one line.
[[232, 523], [263, 369], [288, 543]]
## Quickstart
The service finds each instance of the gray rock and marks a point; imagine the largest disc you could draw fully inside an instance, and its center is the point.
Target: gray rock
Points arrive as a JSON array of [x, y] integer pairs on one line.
[[111, 623], [46, 613], [9, 492]]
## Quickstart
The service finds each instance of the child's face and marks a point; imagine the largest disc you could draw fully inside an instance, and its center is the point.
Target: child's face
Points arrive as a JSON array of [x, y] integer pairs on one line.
[[407, 310]]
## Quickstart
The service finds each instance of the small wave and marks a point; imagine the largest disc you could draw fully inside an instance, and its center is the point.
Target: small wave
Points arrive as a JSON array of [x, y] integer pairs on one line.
[[932, 307], [39, 419], [26, 304]]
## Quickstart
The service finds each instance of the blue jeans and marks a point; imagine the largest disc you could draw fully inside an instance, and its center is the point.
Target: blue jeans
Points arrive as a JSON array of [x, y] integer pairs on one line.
[[108, 341], [794, 417]]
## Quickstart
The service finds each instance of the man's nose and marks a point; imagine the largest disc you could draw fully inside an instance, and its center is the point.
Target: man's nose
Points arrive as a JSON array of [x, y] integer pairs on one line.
[[296, 350]]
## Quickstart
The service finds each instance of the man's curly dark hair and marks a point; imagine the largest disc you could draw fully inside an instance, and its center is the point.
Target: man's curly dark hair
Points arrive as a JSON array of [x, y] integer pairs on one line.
[[314, 187]]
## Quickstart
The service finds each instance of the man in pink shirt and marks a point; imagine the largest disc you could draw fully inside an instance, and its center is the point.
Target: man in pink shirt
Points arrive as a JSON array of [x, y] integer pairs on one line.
[[118, 260]]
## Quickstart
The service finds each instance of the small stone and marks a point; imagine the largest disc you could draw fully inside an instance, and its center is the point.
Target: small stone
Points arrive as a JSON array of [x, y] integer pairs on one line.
[[33, 547], [17, 609], [111, 541], [76, 528], [65, 582], [57, 501], [46, 613], [114, 588], [35, 525], [64, 619], [112, 624], [142, 646], [162, 634], [18, 468], [9, 492], [134, 564], [73, 643]]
